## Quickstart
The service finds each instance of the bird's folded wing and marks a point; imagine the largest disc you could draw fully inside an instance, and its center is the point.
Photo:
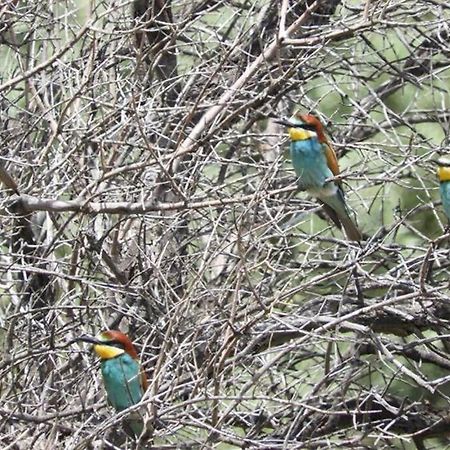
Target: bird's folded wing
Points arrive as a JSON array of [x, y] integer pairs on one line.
[[331, 159]]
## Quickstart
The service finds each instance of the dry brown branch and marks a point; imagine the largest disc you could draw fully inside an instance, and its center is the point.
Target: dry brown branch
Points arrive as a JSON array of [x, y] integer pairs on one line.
[[145, 186]]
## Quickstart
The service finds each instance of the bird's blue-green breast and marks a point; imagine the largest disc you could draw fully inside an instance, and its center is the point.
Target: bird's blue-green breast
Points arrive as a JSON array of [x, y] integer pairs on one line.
[[310, 164], [121, 376], [445, 196]]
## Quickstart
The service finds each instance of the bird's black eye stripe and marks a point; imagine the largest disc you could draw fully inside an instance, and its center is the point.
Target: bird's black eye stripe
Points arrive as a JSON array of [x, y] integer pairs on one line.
[[307, 126], [114, 343]]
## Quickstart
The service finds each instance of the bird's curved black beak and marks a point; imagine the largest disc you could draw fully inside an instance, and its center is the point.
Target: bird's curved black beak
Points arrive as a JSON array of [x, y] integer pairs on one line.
[[286, 123], [85, 338], [441, 162], [303, 126]]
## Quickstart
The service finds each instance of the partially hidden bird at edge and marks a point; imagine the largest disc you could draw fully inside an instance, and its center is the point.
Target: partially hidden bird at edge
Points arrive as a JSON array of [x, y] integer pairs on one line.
[[443, 172]]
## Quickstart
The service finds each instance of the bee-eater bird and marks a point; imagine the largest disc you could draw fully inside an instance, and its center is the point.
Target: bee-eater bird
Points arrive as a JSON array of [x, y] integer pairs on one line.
[[315, 164], [443, 172], [125, 381]]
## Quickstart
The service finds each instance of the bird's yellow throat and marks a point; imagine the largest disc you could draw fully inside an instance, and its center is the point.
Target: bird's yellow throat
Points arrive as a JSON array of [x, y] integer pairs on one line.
[[107, 351], [443, 173], [298, 134]]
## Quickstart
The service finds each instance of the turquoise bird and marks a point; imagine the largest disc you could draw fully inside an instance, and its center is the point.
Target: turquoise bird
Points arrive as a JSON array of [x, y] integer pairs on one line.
[[443, 173], [315, 164], [125, 381]]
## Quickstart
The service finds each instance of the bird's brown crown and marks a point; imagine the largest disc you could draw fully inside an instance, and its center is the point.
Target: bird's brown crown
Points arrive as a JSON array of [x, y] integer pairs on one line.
[[314, 121], [119, 337]]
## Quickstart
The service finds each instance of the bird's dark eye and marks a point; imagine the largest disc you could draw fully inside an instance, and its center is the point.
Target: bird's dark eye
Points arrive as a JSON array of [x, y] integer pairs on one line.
[[307, 126], [114, 343]]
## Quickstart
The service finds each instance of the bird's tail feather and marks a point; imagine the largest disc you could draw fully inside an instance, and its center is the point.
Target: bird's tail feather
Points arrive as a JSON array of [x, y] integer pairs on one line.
[[351, 230], [331, 213], [340, 216]]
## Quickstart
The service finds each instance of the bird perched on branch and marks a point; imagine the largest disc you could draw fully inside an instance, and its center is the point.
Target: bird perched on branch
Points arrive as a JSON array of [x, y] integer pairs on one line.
[[443, 173], [124, 379], [315, 164]]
